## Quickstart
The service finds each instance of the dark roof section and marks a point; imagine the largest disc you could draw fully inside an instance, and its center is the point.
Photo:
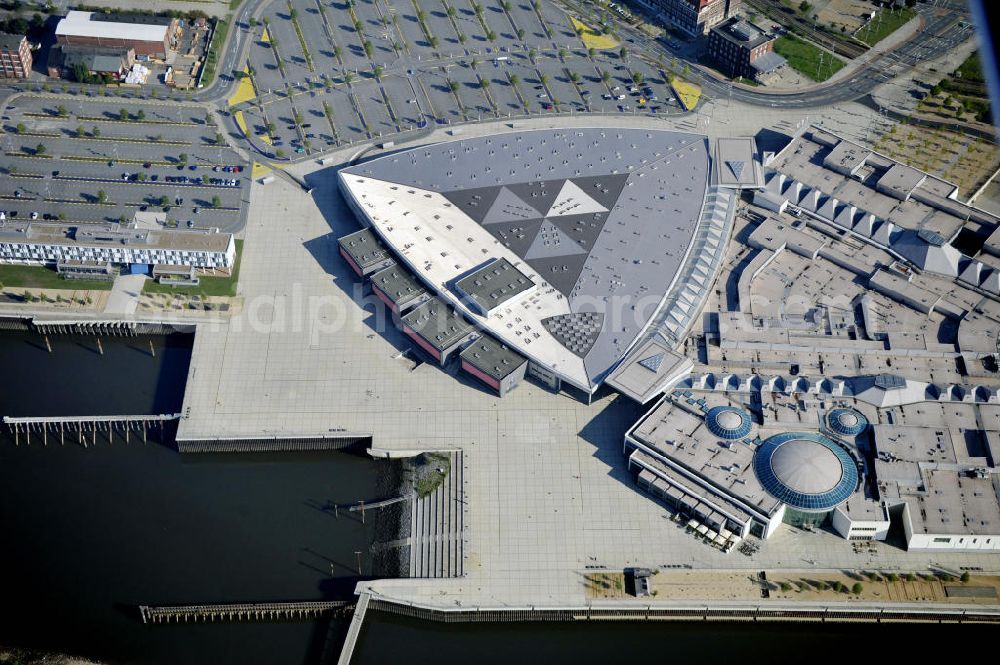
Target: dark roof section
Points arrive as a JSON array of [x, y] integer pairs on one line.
[[398, 285], [10, 42], [742, 32], [365, 249], [126, 17], [494, 284], [492, 358], [889, 381], [438, 324]]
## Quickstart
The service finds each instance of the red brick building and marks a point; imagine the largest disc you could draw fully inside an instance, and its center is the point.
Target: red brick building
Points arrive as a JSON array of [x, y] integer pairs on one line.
[[695, 17], [15, 56], [149, 36]]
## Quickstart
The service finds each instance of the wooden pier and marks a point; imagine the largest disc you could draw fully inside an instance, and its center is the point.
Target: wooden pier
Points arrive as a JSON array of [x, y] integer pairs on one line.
[[242, 612], [79, 427]]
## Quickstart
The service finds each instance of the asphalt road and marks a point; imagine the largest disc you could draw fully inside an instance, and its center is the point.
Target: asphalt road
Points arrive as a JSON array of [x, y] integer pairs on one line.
[[941, 33]]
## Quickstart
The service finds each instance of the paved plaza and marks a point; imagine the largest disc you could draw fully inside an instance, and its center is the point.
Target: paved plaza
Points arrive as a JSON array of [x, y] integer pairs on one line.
[[548, 493]]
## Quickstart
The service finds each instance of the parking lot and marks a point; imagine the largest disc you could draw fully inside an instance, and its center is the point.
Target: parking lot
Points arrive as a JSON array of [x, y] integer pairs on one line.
[[87, 161], [329, 74]]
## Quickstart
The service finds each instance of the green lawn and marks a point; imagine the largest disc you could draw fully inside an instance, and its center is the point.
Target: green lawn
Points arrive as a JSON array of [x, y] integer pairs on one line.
[[806, 58], [971, 69], [218, 42], [886, 22], [209, 286], [41, 277]]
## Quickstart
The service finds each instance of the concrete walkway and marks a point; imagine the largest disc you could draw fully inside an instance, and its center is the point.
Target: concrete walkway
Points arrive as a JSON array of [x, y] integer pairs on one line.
[[124, 297]]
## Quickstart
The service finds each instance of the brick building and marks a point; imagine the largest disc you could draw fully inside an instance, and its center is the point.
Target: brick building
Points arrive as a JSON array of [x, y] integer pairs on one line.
[[695, 17], [740, 48], [148, 36], [15, 56]]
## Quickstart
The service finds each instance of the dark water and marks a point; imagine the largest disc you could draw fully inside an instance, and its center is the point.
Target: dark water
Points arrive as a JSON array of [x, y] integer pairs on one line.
[[86, 535], [394, 639]]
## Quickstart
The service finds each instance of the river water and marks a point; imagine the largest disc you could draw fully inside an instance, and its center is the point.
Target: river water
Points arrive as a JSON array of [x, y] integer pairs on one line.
[[87, 535], [90, 534]]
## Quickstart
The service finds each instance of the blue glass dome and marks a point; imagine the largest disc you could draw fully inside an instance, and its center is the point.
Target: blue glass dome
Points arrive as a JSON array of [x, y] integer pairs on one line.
[[728, 422], [806, 470], [847, 422]]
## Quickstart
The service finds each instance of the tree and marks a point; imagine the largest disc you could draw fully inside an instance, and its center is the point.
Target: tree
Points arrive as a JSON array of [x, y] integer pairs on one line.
[[271, 127], [378, 71], [348, 77], [298, 118], [965, 576], [591, 52], [434, 42], [102, 196], [123, 115], [562, 53], [637, 78], [605, 76], [140, 115], [164, 201], [857, 588], [514, 79], [421, 16], [478, 8], [786, 587], [505, 5], [369, 48], [219, 138], [484, 83], [451, 11], [532, 52], [80, 131], [452, 85], [279, 153], [490, 35], [543, 79], [293, 13], [805, 7], [216, 202], [521, 33], [623, 53], [40, 149], [21, 129], [182, 158], [95, 132], [574, 77], [892, 577], [61, 111], [337, 52], [462, 38], [910, 577]]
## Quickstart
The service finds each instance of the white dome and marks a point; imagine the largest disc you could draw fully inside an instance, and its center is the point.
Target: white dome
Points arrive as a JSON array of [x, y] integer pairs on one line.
[[806, 466], [729, 419], [848, 419]]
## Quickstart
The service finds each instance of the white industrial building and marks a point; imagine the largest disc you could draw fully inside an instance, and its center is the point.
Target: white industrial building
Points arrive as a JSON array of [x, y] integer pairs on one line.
[[30, 242]]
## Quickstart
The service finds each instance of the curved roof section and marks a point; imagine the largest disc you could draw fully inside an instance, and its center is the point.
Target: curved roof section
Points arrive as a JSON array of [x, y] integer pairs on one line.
[[728, 422], [847, 422], [806, 470], [601, 219]]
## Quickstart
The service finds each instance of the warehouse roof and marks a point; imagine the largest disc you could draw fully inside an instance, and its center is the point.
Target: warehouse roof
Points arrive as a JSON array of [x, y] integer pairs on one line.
[[440, 325], [87, 24], [493, 358], [493, 284]]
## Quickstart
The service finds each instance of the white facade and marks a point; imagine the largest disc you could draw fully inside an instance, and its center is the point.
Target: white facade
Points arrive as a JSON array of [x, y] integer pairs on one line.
[[860, 529], [947, 541], [48, 252]]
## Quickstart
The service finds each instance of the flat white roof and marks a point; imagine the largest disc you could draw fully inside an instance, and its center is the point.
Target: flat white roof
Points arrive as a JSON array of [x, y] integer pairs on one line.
[[78, 24]]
